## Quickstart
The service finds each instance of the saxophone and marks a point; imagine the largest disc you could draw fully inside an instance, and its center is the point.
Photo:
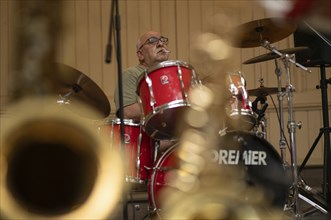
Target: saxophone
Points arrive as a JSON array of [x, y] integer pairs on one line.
[[53, 163]]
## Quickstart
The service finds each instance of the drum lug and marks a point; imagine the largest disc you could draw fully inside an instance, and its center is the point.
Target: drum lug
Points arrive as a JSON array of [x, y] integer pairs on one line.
[[138, 165], [150, 88], [299, 124], [149, 168], [180, 75], [195, 81]]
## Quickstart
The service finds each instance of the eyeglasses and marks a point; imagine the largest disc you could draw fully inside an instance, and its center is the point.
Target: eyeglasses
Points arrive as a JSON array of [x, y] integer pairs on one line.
[[154, 41]]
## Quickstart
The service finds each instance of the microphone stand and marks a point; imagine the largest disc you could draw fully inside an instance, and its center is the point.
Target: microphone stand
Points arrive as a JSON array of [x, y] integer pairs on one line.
[[114, 6]]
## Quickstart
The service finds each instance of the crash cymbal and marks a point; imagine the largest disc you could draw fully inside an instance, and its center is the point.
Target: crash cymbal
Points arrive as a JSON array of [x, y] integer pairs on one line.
[[254, 33], [272, 55], [75, 87], [263, 91]]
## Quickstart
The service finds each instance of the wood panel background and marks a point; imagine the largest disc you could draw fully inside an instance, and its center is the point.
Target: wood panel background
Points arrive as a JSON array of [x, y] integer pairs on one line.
[[83, 44]]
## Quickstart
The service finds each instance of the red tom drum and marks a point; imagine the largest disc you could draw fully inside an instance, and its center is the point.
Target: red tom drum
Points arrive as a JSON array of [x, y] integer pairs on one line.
[[240, 115], [164, 91]]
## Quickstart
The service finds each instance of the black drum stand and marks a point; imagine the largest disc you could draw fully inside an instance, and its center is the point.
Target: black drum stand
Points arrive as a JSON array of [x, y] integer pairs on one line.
[[318, 201]]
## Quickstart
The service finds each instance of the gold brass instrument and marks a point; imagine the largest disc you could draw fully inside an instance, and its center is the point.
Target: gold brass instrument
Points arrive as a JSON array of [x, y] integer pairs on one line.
[[198, 189], [53, 163]]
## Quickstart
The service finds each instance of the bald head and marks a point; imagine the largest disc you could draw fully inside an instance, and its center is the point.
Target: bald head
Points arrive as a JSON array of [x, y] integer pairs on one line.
[[142, 39], [150, 54]]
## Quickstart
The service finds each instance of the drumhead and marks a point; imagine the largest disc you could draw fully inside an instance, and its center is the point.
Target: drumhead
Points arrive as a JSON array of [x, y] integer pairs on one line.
[[258, 163], [258, 159]]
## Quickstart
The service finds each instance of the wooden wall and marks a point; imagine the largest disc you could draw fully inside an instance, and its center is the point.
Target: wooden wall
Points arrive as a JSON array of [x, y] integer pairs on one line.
[[83, 44]]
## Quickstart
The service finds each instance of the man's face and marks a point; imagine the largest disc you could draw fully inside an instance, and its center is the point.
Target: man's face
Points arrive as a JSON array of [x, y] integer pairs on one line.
[[153, 49]]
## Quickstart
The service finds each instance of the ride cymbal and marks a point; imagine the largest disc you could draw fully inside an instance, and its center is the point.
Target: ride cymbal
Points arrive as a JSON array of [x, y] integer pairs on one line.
[[263, 91], [254, 33], [74, 86], [272, 55]]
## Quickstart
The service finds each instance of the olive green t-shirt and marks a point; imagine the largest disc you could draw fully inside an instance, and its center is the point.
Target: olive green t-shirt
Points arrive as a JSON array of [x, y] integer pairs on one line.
[[130, 78]]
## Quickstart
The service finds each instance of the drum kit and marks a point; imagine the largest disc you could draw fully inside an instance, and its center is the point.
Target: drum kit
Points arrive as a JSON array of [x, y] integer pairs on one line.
[[164, 94]]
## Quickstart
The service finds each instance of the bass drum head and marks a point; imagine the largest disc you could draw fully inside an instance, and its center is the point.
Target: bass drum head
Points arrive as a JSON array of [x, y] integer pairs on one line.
[[262, 164]]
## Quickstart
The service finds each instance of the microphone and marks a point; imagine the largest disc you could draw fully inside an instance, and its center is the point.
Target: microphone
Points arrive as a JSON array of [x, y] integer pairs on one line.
[[108, 52], [110, 32]]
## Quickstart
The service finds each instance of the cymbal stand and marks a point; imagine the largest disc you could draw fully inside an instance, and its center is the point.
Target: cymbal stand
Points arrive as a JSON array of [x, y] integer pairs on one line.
[[280, 94], [291, 125]]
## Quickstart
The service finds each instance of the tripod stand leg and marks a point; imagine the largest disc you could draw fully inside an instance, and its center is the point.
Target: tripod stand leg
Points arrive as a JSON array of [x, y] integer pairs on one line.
[[326, 132], [312, 203], [310, 151]]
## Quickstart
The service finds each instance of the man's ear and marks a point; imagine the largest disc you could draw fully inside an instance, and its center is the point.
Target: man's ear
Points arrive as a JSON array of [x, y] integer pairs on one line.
[[140, 55]]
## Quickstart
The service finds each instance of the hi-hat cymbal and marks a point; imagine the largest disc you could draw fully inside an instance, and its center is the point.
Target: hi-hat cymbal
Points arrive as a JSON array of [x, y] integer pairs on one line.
[[254, 33], [75, 87], [263, 91], [272, 55]]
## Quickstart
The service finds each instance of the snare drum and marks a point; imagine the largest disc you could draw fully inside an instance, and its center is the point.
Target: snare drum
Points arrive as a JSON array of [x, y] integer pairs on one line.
[[163, 91], [139, 150], [240, 115]]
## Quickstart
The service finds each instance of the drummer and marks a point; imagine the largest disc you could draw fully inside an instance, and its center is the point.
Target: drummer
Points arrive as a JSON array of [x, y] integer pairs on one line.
[[151, 49]]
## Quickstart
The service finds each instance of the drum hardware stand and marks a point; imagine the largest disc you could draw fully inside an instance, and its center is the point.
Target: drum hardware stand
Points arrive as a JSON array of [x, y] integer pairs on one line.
[[326, 132], [280, 94], [291, 125], [261, 113]]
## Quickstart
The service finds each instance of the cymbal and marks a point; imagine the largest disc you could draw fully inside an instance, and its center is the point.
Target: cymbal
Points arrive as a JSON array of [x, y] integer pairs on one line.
[[74, 86], [272, 55], [254, 33], [263, 91]]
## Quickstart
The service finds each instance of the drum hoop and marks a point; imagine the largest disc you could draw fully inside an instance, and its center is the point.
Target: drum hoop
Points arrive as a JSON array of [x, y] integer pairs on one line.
[[168, 63], [170, 105], [126, 122], [243, 112], [251, 134], [132, 179], [166, 153]]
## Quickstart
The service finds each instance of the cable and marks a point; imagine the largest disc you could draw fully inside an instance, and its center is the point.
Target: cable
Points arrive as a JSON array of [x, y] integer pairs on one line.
[[319, 34], [278, 117]]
